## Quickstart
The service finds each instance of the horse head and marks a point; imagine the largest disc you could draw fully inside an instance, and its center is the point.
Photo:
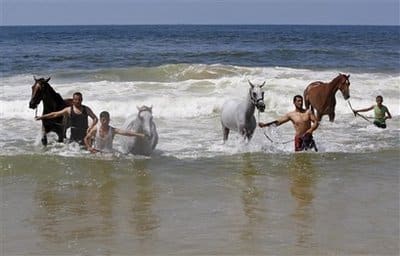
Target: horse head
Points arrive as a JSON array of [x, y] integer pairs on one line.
[[38, 89], [257, 96], [344, 84], [145, 117]]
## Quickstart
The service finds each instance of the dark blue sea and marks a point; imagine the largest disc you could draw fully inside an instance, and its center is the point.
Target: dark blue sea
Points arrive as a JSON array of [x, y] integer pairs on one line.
[[196, 195], [43, 49]]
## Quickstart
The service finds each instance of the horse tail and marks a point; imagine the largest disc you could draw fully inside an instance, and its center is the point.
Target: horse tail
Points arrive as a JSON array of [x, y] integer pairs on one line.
[[306, 100]]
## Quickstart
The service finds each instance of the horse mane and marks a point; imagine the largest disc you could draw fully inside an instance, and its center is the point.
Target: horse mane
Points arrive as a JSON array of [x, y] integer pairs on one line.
[[55, 95], [337, 79]]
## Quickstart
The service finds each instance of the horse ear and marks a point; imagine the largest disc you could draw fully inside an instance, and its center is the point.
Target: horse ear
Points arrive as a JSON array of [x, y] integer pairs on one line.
[[262, 84], [252, 85], [34, 77], [348, 76], [48, 79]]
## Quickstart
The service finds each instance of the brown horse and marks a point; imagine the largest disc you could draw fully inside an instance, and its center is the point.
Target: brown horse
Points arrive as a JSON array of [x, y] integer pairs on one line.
[[321, 96], [52, 101]]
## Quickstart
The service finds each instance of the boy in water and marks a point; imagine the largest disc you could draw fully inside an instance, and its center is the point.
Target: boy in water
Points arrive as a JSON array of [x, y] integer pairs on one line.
[[304, 122], [103, 135], [380, 112]]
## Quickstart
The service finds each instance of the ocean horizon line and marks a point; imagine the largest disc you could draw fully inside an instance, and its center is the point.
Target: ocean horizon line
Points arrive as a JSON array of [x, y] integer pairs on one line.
[[200, 24]]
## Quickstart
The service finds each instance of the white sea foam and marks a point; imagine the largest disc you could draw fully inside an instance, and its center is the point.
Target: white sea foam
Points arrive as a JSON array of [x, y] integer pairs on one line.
[[186, 105]]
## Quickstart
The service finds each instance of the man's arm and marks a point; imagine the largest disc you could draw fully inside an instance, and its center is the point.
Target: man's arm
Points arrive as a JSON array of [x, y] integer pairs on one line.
[[277, 122], [88, 139], [51, 115], [127, 133], [314, 122], [93, 117]]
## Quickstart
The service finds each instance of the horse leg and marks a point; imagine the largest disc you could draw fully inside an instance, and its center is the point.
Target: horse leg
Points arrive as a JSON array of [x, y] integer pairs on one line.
[[44, 139], [332, 116], [249, 136], [60, 135], [66, 124], [44, 136], [226, 133], [319, 117], [244, 135]]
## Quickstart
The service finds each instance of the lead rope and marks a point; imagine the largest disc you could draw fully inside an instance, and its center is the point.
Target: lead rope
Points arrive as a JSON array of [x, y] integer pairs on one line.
[[266, 136], [358, 114]]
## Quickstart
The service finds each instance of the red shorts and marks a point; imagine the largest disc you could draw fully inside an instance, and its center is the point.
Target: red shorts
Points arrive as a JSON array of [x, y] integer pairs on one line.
[[298, 143]]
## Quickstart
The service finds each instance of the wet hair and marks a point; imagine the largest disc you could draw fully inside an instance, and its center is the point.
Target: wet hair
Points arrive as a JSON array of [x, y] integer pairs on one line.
[[297, 96], [77, 94], [105, 114], [379, 97]]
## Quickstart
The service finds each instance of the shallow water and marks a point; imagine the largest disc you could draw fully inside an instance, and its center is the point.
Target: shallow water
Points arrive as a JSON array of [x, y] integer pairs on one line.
[[195, 195], [262, 204]]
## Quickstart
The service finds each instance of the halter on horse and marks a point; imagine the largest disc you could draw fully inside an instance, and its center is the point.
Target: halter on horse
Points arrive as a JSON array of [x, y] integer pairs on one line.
[[52, 101], [143, 123], [321, 96], [238, 115]]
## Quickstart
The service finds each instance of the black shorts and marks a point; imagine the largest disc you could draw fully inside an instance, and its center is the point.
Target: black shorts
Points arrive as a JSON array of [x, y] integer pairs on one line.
[[380, 125]]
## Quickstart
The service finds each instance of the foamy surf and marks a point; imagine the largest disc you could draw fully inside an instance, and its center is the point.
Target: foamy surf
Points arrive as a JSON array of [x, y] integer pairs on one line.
[[187, 100]]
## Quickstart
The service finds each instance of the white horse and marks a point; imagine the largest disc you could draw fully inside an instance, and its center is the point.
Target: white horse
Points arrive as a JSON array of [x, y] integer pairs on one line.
[[142, 124], [238, 115]]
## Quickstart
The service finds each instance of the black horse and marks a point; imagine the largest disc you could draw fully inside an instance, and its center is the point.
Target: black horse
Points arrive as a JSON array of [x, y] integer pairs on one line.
[[52, 101]]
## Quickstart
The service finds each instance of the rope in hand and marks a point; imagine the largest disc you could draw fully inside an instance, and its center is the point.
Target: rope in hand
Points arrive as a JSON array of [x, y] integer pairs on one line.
[[266, 136], [358, 114]]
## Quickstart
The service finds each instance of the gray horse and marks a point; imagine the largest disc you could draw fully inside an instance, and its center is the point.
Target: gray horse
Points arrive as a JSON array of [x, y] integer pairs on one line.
[[238, 115], [142, 124]]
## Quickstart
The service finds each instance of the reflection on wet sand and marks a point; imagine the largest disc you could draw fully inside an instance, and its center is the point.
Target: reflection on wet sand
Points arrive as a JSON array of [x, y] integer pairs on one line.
[[91, 204], [75, 206], [144, 220], [302, 176], [251, 198]]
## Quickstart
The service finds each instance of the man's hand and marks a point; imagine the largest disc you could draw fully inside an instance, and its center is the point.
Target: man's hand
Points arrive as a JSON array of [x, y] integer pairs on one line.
[[261, 125], [307, 139], [267, 124], [93, 150]]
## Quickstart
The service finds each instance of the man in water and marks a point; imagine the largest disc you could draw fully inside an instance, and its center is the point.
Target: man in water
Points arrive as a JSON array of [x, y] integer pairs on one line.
[[304, 122], [103, 135], [78, 116], [380, 111]]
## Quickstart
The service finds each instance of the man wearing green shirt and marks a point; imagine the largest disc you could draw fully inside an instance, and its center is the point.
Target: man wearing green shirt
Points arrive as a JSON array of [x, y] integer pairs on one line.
[[380, 111]]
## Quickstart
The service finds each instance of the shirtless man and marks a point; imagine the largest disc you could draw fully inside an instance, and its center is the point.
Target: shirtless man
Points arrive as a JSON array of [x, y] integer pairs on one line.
[[78, 115], [304, 122], [103, 135]]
